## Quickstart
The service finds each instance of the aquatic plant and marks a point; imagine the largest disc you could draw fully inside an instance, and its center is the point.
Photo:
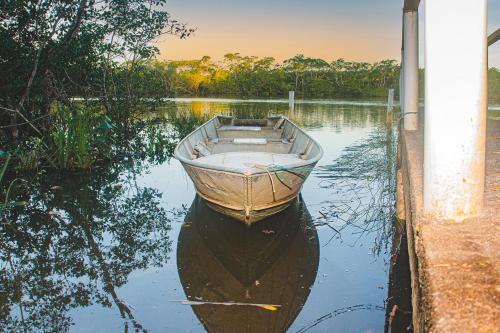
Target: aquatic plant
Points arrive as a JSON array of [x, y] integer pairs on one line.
[[364, 179], [73, 138], [30, 154]]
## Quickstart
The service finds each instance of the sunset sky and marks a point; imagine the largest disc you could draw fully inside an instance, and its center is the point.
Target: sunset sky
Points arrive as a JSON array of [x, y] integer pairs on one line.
[[359, 30]]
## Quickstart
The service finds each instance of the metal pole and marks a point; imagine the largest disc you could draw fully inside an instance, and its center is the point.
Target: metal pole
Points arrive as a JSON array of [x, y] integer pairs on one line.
[[410, 69], [455, 107]]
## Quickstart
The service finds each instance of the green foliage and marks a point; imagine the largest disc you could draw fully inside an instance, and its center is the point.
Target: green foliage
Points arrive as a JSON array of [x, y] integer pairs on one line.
[[494, 84], [54, 50], [248, 77], [253, 77], [30, 154], [73, 138]]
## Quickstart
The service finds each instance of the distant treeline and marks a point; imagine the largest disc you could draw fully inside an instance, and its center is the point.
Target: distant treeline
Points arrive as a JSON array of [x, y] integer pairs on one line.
[[253, 77], [245, 77]]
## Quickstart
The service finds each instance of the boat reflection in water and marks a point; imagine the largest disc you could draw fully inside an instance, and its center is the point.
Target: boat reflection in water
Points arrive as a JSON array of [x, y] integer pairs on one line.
[[223, 261]]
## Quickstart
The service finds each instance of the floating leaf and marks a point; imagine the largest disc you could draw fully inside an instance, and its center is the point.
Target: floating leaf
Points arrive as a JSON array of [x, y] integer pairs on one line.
[[269, 307]]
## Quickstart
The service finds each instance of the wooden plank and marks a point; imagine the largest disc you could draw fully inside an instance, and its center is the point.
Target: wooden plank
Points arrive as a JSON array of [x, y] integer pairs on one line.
[[494, 37]]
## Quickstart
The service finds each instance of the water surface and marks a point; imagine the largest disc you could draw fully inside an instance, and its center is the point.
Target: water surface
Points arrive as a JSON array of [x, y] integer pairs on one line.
[[123, 248]]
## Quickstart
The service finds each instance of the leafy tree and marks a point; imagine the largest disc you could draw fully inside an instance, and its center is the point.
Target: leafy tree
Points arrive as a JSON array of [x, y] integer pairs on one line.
[[53, 50], [247, 77]]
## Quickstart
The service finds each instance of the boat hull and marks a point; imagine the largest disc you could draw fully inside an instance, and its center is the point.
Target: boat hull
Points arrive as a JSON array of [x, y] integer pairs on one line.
[[249, 197], [248, 169]]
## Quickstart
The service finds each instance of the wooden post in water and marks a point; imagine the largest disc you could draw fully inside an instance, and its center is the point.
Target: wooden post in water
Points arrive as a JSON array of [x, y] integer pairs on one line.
[[291, 100], [390, 106]]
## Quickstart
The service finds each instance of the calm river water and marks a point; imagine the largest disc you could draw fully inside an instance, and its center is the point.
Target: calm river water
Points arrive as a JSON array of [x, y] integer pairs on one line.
[[130, 247]]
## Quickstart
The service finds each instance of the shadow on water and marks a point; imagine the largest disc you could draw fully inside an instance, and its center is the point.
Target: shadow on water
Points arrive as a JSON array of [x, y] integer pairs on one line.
[[274, 262], [399, 305]]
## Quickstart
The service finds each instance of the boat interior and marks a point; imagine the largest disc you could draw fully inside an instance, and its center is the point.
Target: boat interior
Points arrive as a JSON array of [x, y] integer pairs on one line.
[[229, 142]]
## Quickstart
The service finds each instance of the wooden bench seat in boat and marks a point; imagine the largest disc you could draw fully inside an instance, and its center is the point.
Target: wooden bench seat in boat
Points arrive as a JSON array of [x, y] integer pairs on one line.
[[220, 146], [240, 128], [231, 132], [250, 141]]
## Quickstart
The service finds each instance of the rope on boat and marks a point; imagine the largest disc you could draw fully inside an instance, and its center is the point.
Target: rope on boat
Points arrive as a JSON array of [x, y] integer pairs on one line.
[[276, 170], [265, 168]]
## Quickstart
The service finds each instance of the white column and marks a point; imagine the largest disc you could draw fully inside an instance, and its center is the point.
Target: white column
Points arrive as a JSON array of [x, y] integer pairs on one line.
[[455, 107], [410, 69]]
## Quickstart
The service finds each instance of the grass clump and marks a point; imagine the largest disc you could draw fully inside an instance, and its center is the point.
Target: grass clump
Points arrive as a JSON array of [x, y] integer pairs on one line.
[[78, 136], [30, 154]]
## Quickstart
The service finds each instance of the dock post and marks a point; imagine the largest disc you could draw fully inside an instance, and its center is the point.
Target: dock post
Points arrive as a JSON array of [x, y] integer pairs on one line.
[[410, 70], [390, 106], [291, 99], [455, 108]]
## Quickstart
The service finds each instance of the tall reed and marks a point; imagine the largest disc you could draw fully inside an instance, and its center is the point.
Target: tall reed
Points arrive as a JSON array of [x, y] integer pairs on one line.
[[73, 138]]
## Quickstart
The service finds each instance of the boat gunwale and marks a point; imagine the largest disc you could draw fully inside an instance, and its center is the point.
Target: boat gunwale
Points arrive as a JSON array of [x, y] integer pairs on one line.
[[190, 162]]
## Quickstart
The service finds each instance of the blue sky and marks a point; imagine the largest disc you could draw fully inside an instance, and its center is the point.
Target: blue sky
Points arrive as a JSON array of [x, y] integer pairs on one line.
[[360, 30]]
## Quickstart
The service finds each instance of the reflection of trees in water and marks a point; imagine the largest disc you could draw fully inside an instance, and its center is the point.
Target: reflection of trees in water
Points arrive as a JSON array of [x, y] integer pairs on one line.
[[307, 115], [80, 236], [338, 116], [362, 179], [74, 248]]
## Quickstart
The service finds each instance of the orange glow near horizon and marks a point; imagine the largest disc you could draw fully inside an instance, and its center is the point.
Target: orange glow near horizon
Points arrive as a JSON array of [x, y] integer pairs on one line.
[[283, 42], [356, 30], [355, 47], [282, 29]]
